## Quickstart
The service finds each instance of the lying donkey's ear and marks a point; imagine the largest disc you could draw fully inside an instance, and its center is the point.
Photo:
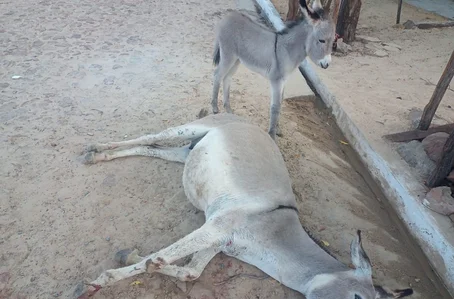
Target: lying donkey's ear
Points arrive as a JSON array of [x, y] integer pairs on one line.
[[381, 293], [359, 257], [312, 14]]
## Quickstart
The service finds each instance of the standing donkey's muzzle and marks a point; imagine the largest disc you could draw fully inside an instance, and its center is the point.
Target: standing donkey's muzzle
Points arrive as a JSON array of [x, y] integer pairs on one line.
[[324, 63]]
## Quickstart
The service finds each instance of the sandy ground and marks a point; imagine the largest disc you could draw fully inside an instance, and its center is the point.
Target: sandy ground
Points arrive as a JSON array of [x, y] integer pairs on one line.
[[108, 70]]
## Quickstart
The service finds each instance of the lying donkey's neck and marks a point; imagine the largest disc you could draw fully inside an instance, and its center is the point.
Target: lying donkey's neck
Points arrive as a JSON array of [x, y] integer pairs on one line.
[[292, 41], [292, 257]]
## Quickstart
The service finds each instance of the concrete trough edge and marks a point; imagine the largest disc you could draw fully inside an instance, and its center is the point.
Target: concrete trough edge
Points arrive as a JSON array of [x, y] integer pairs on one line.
[[416, 217]]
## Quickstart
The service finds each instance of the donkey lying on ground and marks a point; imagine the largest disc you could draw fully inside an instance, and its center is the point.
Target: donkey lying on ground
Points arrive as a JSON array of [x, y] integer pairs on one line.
[[235, 173], [274, 55]]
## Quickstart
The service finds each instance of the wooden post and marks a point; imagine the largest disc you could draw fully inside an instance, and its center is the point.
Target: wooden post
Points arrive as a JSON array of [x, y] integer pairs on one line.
[[350, 19], [444, 166], [439, 92], [399, 10], [293, 10]]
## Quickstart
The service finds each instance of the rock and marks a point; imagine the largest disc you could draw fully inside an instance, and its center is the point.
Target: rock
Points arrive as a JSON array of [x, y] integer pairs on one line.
[[95, 67], [415, 116], [109, 80], [202, 113], [391, 49], [413, 153], [433, 145], [4, 85], [392, 45], [116, 66], [439, 200], [109, 181], [373, 47], [181, 285], [133, 39], [381, 53], [368, 39], [409, 24], [37, 43], [450, 176], [343, 47]]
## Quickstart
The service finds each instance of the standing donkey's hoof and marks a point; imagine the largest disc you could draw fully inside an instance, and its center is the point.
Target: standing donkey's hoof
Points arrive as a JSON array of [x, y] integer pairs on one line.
[[127, 257], [272, 135]]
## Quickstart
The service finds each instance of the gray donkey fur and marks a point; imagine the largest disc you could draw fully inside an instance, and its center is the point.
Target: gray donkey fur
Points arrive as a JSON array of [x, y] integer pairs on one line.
[[244, 38], [250, 213]]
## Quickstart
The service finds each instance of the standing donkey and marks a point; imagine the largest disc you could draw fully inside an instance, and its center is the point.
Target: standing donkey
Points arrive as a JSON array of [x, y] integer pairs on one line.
[[274, 55], [250, 213]]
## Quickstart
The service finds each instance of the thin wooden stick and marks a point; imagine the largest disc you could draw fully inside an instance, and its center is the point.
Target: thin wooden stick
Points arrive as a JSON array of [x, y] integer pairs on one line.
[[437, 96], [399, 10], [444, 166]]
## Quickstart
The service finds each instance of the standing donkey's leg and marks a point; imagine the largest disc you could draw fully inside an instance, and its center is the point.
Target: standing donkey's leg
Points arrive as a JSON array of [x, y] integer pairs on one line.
[[226, 86], [208, 236], [277, 92], [226, 63]]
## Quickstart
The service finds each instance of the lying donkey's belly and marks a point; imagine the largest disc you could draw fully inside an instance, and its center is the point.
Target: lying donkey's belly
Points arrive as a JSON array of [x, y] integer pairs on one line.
[[239, 162]]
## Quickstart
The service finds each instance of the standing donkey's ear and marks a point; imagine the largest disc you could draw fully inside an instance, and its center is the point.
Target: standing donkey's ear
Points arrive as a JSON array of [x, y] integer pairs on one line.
[[381, 293], [313, 14], [359, 257]]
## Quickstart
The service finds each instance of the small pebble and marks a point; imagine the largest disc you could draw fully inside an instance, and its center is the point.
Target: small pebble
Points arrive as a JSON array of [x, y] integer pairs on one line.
[[108, 239], [90, 134], [417, 279]]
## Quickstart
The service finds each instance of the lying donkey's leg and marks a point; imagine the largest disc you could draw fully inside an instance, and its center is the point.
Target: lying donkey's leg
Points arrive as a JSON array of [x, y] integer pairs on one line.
[[194, 268], [206, 237], [189, 131], [175, 154], [188, 272]]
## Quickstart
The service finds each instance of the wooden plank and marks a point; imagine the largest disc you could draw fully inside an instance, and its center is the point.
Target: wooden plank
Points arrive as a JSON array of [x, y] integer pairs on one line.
[[444, 166], [399, 10], [427, 25], [418, 134], [437, 96]]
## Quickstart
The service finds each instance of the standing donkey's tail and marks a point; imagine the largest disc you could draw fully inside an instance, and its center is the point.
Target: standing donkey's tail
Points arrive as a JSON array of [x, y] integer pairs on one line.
[[216, 54]]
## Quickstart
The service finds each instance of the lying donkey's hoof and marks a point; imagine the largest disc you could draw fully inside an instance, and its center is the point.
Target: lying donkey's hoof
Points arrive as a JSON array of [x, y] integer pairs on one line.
[[127, 257], [85, 291], [92, 148], [88, 158]]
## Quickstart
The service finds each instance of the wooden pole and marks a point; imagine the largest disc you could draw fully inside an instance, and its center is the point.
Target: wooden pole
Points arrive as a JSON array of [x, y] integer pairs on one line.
[[439, 92], [399, 10], [293, 10], [350, 18], [444, 166]]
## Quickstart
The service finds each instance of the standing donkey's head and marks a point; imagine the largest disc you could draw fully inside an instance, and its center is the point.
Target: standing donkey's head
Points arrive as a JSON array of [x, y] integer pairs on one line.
[[320, 40], [352, 284]]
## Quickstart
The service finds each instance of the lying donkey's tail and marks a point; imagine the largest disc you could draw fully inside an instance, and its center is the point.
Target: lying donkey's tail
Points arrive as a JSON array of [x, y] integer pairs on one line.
[[216, 54]]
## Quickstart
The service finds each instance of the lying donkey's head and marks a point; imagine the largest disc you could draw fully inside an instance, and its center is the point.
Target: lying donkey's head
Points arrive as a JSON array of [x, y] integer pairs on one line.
[[352, 284], [320, 40]]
